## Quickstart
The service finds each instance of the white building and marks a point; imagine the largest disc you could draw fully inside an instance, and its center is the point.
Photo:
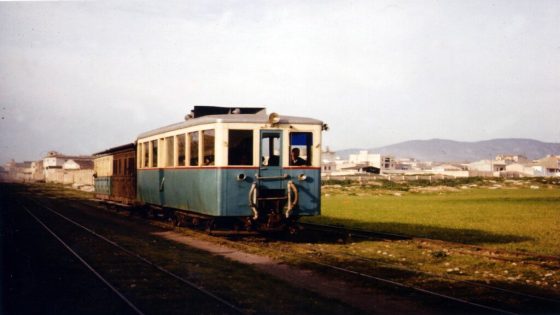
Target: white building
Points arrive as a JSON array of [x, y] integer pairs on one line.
[[54, 163], [487, 166], [382, 162], [328, 163]]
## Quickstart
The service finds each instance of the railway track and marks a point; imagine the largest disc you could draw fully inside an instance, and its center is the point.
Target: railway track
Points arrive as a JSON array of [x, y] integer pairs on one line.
[[219, 304], [372, 277]]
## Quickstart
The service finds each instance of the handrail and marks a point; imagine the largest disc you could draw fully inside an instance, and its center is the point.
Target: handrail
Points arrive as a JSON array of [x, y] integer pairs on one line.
[[285, 176], [253, 200], [291, 204]]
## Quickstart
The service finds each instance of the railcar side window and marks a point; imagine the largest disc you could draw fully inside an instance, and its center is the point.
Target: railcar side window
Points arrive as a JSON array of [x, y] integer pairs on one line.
[[208, 142], [139, 156], [154, 153], [181, 150], [169, 148], [300, 148], [146, 155], [193, 140], [130, 166], [240, 147]]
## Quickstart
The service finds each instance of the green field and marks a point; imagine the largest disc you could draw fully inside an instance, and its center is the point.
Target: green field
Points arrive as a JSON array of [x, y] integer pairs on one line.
[[520, 219]]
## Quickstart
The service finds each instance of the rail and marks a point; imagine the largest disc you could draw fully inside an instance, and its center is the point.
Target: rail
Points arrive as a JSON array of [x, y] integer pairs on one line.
[[145, 260], [88, 266]]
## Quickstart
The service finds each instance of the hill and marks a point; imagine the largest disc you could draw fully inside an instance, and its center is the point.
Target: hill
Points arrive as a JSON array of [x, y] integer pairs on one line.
[[442, 150]]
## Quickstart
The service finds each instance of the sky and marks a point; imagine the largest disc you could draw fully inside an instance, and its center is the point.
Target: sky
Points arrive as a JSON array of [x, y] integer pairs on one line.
[[81, 77]]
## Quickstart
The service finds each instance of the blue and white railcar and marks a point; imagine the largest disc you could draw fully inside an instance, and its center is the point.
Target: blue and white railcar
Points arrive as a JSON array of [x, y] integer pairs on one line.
[[233, 163]]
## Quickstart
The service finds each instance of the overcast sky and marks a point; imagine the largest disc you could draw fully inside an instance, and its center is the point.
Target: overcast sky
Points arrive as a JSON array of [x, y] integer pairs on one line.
[[80, 77]]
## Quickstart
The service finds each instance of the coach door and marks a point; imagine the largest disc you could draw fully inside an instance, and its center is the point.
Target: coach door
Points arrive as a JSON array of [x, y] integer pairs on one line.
[[270, 165]]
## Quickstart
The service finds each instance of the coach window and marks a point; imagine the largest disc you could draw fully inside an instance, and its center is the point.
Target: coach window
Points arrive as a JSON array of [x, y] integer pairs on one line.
[[181, 150], [146, 155], [300, 148], [169, 148], [193, 142], [154, 153], [138, 157], [240, 147], [130, 167], [208, 137]]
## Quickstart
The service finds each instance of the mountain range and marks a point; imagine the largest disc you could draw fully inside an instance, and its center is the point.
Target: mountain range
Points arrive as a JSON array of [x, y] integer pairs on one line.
[[441, 150]]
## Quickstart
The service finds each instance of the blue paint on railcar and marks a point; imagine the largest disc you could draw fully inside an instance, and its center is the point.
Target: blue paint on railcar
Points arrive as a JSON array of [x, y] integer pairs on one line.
[[219, 192], [103, 185], [188, 189], [309, 190]]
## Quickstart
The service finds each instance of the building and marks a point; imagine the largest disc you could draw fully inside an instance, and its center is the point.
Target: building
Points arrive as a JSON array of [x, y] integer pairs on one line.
[[78, 173], [328, 163], [487, 166], [547, 166], [382, 162], [511, 158], [54, 163], [37, 171], [24, 172]]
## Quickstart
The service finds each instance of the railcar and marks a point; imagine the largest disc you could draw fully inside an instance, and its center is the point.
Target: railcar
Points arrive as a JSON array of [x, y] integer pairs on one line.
[[115, 174], [225, 164]]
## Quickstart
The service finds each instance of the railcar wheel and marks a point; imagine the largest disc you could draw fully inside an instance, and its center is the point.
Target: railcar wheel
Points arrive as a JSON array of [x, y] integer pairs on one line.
[[210, 224], [195, 221]]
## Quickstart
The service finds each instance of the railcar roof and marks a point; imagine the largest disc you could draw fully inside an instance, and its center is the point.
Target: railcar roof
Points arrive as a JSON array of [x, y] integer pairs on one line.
[[258, 118], [124, 147]]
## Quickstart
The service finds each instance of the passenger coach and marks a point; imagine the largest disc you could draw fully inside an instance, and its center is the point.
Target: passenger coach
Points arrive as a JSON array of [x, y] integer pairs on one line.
[[115, 174], [233, 164]]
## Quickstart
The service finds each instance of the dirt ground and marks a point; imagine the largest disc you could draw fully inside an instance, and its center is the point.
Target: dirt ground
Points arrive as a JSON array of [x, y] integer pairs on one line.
[[364, 299]]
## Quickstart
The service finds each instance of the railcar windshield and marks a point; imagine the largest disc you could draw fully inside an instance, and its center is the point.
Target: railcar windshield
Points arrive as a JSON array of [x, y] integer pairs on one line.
[[300, 148]]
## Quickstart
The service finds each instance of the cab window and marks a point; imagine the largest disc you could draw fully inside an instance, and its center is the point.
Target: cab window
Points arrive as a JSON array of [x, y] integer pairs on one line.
[[300, 148]]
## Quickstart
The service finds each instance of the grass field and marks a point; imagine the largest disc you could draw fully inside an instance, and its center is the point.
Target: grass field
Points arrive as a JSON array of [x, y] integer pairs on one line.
[[520, 219]]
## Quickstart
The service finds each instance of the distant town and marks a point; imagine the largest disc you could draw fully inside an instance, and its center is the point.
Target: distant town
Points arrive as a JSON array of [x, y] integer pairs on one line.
[[503, 165], [79, 171]]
